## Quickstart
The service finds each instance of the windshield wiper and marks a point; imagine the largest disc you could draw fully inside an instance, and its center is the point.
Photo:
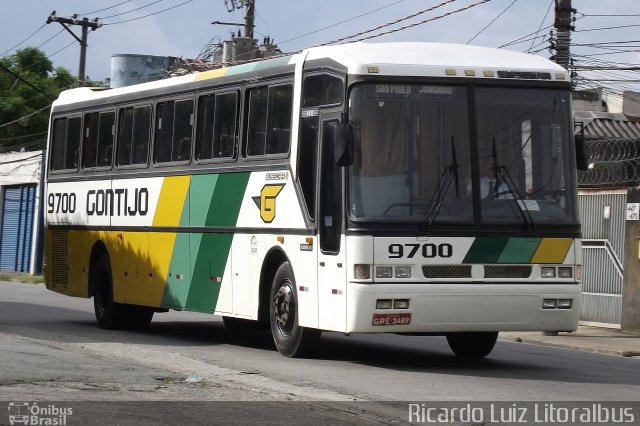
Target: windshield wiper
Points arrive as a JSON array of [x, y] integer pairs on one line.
[[449, 174], [502, 172]]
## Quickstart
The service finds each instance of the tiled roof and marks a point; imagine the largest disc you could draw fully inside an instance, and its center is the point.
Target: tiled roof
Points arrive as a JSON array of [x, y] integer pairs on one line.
[[599, 125]]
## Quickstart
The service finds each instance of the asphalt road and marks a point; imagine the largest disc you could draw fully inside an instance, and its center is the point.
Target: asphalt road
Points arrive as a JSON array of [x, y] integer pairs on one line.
[[52, 350]]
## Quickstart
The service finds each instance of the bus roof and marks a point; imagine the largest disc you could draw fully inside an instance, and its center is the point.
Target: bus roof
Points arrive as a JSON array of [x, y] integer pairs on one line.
[[432, 59], [385, 59]]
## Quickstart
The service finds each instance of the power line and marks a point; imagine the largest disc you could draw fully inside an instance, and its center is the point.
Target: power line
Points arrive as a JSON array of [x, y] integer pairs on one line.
[[106, 8], [492, 21], [50, 38], [26, 116], [462, 9], [21, 137], [540, 27], [132, 10], [341, 22], [390, 23], [151, 14], [607, 28], [608, 15], [7, 70], [31, 35], [60, 50], [406, 26]]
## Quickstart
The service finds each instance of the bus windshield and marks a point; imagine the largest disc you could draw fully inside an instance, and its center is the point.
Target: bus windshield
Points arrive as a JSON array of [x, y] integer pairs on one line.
[[414, 150]]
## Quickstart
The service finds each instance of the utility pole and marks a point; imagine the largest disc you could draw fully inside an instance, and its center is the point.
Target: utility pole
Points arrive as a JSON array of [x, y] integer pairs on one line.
[[85, 24], [249, 18], [563, 24]]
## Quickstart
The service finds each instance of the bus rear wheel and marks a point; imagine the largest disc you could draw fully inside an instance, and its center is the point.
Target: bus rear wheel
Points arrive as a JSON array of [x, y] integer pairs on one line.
[[109, 314], [290, 338], [472, 345]]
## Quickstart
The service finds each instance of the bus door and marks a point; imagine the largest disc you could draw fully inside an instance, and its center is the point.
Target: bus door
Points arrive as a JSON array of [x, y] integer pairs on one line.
[[332, 288]]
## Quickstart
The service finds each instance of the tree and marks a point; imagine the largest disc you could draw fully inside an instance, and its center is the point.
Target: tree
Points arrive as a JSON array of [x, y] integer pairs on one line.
[[28, 83]]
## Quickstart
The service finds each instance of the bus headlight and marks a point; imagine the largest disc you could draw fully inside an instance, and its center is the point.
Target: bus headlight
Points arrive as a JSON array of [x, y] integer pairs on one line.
[[403, 272], [565, 272], [548, 272], [384, 271]]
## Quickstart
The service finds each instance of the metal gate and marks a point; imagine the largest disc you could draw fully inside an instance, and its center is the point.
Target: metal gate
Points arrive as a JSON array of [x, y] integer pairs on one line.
[[17, 227], [603, 221]]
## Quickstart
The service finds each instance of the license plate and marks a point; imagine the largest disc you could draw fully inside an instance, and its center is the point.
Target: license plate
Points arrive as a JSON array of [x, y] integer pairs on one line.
[[391, 319]]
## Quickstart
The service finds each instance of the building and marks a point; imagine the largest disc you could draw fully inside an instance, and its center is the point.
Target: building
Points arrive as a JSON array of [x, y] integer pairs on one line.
[[20, 218]]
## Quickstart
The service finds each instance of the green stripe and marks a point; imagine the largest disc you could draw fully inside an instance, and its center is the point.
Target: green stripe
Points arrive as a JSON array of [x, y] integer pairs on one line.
[[485, 250], [176, 290], [221, 200], [519, 250]]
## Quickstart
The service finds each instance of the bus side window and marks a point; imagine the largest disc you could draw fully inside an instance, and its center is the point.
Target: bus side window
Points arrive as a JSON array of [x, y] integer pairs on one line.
[[269, 128], [204, 128], [217, 122], [182, 130], [105, 139], [164, 132], [280, 108], [141, 135], [225, 124], [74, 133], [257, 127], [174, 124], [322, 90], [97, 143], [90, 139], [125, 136], [58, 144]]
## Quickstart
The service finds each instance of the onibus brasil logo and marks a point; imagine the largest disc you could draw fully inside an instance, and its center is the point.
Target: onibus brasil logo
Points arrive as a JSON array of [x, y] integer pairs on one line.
[[24, 413], [266, 202]]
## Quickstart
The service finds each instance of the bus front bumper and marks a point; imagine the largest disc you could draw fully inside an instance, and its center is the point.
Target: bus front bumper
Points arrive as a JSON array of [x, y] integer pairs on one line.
[[452, 307]]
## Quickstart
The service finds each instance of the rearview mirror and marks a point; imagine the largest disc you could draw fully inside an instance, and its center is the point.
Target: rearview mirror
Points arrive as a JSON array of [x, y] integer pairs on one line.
[[582, 162], [343, 145]]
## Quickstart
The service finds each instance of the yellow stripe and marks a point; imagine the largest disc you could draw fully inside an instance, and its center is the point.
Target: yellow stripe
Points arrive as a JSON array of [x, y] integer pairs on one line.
[[171, 201], [552, 250], [211, 74]]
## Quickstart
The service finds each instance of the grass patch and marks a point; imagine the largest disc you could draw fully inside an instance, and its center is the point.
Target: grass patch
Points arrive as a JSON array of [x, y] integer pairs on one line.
[[21, 277]]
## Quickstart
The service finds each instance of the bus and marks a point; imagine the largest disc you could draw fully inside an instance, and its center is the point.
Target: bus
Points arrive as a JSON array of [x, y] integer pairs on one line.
[[409, 188]]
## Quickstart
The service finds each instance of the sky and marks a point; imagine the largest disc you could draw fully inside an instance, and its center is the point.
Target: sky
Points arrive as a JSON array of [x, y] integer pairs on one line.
[[185, 28]]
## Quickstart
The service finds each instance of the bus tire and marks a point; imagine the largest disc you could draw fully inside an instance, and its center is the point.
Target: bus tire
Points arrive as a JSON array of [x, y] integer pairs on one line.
[[109, 314], [290, 338], [472, 345], [138, 317]]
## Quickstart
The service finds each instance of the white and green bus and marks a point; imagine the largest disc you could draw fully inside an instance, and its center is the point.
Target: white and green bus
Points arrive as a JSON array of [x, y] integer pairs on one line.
[[410, 188]]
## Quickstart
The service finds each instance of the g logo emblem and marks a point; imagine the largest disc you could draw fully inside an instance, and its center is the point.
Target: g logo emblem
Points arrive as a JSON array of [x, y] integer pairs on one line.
[[266, 202]]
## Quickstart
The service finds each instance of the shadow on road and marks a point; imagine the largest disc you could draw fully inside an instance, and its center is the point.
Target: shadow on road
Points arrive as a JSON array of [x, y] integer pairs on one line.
[[402, 353]]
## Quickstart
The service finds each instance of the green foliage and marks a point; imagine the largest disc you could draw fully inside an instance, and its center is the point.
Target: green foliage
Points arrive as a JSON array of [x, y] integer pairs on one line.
[[19, 99]]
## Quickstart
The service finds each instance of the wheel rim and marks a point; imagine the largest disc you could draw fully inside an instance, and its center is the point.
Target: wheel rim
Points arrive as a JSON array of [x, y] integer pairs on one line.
[[284, 308]]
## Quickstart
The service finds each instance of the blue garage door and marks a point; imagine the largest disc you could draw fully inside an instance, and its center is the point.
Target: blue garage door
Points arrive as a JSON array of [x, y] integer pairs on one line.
[[17, 227]]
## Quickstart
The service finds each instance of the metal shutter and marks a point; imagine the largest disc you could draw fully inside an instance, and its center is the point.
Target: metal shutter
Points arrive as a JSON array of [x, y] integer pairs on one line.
[[17, 227]]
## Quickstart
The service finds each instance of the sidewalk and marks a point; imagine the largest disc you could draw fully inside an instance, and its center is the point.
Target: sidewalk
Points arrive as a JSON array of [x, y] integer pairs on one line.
[[588, 339]]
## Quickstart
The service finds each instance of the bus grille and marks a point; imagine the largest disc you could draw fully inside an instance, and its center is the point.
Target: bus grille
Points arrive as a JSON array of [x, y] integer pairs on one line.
[[446, 271], [510, 271], [59, 262]]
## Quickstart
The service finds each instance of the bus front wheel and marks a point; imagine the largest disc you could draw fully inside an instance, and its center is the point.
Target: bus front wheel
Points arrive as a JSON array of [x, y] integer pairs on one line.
[[290, 338], [472, 345]]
